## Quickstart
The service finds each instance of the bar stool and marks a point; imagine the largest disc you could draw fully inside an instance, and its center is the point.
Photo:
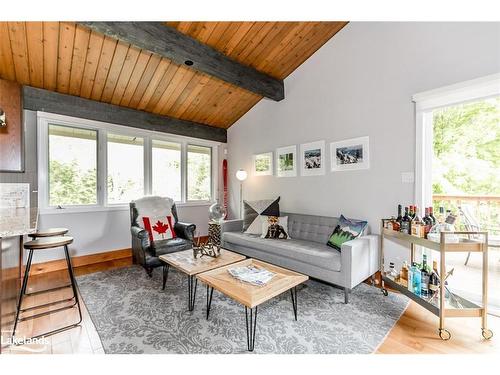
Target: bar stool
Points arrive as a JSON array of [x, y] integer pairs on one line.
[[46, 244], [50, 232]]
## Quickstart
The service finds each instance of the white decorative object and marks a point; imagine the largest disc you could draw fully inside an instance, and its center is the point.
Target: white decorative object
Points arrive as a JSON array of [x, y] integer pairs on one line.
[[312, 156], [286, 161], [263, 164], [350, 154], [14, 195]]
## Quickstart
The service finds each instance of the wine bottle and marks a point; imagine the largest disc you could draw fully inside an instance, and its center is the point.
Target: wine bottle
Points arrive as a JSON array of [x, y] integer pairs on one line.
[[405, 222], [424, 285], [431, 215], [427, 222], [397, 225]]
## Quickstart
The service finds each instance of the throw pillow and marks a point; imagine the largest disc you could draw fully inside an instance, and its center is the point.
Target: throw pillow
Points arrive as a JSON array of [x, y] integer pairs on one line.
[[159, 228], [254, 209], [275, 227], [346, 230]]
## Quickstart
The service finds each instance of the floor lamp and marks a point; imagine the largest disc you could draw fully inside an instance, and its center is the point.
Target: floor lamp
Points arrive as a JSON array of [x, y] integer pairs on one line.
[[241, 175]]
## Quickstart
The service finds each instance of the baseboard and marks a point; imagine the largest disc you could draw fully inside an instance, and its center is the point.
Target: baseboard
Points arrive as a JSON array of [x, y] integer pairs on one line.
[[97, 261]]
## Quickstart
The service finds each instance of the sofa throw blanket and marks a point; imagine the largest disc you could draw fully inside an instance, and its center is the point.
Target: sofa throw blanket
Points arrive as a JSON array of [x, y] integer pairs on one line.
[[156, 212]]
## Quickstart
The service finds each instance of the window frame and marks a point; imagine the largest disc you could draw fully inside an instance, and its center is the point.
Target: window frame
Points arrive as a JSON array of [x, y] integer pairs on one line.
[[425, 103], [211, 173], [102, 128]]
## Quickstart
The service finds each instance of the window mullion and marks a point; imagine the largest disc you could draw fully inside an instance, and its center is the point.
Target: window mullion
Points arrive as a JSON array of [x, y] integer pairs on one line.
[[102, 168], [147, 166], [184, 172]]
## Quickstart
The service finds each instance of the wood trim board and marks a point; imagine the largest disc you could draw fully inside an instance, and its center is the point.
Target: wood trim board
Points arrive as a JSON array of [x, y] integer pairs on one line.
[[36, 99]]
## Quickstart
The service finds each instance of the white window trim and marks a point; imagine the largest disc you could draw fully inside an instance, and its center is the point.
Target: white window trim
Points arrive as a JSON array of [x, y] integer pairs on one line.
[[425, 103], [102, 128]]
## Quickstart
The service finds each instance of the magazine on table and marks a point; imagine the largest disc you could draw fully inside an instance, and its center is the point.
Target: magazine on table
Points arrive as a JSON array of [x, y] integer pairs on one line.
[[252, 274]]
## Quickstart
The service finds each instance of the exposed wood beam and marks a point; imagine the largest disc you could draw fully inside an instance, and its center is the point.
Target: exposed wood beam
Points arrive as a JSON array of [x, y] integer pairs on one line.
[[43, 100], [167, 42]]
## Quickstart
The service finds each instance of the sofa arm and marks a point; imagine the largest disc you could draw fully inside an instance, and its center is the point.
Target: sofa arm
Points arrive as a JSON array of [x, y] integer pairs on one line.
[[360, 259], [235, 225], [185, 230], [138, 232]]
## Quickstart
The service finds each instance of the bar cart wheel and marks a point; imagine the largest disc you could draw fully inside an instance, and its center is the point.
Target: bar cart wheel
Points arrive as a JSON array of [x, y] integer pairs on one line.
[[444, 334], [487, 333], [384, 292]]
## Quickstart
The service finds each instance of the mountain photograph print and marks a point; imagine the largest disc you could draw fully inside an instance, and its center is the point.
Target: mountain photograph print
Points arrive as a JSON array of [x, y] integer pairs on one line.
[[350, 154]]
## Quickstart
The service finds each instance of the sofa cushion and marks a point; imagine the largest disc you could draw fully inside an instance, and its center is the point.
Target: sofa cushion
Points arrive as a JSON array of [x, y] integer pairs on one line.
[[309, 227], [313, 253], [170, 246]]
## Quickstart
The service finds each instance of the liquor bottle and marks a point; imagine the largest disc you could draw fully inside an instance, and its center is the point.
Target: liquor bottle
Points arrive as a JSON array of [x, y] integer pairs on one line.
[[410, 279], [431, 215], [416, 224], [434, 279], [403, 275], [441, 216], [416, 279], [405, 223], [392, 274], [411, 212], [424, 285]]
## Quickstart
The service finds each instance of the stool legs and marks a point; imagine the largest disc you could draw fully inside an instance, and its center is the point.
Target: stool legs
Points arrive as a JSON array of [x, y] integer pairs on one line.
[[23, 293], [23, 290], [73, 283]]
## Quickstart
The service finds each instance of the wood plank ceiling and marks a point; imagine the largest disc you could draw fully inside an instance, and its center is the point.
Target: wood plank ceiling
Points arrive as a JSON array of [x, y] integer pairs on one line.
[[69, 58]]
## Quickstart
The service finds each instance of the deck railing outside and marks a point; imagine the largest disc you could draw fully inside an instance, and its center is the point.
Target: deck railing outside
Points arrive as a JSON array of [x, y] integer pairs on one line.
[[486, 209]]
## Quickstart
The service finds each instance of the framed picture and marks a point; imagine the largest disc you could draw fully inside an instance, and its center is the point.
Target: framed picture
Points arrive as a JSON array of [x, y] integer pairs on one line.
[[286, 161], [313, 159], [350, 154], [263, 164]]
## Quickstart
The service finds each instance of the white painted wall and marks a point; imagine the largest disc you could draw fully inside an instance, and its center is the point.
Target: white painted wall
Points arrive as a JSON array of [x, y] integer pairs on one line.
[[359, 83]]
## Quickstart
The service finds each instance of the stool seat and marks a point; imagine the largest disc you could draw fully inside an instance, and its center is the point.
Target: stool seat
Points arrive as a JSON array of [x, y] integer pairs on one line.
[[50, 232], [48, 243]]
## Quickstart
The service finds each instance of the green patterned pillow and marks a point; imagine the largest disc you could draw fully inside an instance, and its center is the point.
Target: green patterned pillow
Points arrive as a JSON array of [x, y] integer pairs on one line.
[[346, 230]]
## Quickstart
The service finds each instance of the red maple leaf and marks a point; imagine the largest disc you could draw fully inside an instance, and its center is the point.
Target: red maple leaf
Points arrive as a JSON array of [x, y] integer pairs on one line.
[[160, 228]]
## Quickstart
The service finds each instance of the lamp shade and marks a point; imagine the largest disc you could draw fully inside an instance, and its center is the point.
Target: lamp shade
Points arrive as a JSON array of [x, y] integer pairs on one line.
[[241, 175]]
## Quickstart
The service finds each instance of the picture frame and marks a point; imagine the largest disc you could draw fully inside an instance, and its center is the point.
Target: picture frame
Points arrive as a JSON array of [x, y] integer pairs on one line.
[[263, 164], [350, 154], [286, 161], [313, 158]]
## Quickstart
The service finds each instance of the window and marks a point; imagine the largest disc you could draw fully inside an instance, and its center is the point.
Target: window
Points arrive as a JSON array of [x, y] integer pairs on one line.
[[125, 168], [166, 169], [85, 165], [199, 173], [72, 172]]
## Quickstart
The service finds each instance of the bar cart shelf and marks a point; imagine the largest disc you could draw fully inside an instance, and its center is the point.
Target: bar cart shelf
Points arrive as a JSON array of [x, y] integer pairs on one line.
[[452, 305]]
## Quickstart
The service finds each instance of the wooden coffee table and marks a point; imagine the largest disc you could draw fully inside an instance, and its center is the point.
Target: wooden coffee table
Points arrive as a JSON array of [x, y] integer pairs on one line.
[[249, 295], [186, 263]]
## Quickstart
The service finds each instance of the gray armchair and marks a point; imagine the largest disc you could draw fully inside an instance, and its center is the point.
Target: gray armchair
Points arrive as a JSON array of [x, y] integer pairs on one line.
[[146, 253]]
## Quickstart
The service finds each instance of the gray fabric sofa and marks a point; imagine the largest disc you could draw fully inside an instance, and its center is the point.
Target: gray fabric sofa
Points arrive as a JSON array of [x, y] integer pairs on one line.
[[306, 252]]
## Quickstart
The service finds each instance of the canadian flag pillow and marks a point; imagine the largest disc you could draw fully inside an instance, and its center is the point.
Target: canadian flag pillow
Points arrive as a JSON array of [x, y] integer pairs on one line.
[[159, 228]]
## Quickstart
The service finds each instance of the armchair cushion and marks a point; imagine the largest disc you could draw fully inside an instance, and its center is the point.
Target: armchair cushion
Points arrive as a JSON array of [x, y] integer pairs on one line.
[[170, 246]]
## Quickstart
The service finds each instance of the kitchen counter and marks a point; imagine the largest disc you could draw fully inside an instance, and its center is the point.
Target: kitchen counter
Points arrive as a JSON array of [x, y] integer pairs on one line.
[[17, 221]]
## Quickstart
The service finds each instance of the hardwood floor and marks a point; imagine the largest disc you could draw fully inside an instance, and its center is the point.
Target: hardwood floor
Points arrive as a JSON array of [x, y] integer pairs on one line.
[[414, 333]]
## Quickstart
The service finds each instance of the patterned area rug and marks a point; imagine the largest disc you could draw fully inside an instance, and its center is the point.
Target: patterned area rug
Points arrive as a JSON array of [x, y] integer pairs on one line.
[[133, 315]]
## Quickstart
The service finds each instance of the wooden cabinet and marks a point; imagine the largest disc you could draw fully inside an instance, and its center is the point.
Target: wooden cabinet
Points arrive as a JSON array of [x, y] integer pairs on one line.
[[11, 136]]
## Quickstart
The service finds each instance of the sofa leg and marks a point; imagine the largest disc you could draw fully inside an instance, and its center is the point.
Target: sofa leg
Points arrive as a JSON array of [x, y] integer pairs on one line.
[[346, 295], [149, 271]]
